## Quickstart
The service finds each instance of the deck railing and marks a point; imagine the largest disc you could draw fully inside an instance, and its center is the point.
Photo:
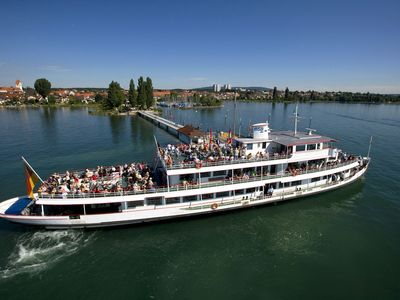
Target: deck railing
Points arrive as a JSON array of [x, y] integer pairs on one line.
[[194, 186], [192, 164], [222, 162]]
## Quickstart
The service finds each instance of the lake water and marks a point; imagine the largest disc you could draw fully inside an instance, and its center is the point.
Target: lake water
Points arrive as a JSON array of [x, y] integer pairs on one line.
[[344, 244]]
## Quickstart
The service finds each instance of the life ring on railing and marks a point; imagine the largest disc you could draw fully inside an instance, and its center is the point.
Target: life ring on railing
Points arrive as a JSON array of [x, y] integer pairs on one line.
[[214, 206], [198, 165]]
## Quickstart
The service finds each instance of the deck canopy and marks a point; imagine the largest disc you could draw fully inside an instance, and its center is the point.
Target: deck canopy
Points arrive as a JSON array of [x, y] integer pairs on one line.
[[189, 134], [288, 138]]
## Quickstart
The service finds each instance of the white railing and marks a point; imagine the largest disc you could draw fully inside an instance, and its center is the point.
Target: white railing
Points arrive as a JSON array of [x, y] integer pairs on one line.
[[182, 187], [222, 162]]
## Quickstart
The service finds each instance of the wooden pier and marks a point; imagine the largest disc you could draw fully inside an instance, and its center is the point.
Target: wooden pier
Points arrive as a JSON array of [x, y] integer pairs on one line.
[[169, 126]]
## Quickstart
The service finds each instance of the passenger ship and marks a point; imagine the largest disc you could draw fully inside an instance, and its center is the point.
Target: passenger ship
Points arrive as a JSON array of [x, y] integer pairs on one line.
[[265, 167]]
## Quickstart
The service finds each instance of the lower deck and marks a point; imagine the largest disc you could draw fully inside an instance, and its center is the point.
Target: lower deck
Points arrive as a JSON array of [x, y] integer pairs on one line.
[[158, 208]]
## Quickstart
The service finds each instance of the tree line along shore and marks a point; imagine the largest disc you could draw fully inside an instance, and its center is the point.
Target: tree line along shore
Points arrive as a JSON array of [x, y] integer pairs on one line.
[[143, 96]]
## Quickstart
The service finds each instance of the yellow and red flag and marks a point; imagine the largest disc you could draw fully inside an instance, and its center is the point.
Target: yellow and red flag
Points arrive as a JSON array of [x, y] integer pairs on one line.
[[31, 178]]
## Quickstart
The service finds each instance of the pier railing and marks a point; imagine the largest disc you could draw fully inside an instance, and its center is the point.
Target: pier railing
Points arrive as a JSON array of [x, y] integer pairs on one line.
[[181, 187]]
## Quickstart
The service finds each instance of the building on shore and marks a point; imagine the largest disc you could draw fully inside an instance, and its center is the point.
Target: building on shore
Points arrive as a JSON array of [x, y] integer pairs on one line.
[[10, 92], [161, 94], [216, 87], [227, 87]]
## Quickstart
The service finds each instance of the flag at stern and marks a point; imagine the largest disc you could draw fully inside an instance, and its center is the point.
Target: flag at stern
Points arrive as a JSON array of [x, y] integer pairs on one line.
[[32, 178]]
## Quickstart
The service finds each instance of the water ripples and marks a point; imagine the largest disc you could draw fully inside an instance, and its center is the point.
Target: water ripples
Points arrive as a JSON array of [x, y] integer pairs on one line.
[[37, 251]]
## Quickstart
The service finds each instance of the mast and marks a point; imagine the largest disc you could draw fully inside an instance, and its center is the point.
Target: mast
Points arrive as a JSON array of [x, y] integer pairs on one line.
[[234, 117], [369, 147], [296, 118], [240, 126]]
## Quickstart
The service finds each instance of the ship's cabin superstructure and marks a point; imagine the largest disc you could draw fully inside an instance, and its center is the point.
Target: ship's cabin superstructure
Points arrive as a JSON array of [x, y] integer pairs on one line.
[[264, 153]]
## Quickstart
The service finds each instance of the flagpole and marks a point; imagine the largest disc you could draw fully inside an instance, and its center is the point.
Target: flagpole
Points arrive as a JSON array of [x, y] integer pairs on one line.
[[25, 161], [369, 147]]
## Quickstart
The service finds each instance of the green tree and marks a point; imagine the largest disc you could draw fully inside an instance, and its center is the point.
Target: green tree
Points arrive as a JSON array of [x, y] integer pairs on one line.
[[149, 93], [51, 99], [274, 93], [115, 95], [73, 100], [141, 98], [287, 93], [132, 95], [42, 87], [98, 98], [312, 96]]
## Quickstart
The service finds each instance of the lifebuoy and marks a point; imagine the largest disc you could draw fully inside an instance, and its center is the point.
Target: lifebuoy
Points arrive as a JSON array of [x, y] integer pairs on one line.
[[214, 206], [198, 165]]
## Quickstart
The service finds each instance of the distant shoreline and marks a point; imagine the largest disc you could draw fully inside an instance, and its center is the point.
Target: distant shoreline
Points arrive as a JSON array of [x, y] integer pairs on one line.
[[313, 101], [99, 110]]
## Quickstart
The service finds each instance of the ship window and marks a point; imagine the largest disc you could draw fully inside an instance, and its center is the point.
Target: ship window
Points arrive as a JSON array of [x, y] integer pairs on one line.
[[219, 173], [319, 146], [207, 196], [188, 177], [248, 170], [173, 200], [190, 198], [222, 194], [315, 179], [298, 182], [205, 174], [300, 148], [311, 147], [102, 208], [133, 204], [252, 190], [154, 201], [264, 145], [63, 210], [239, 192], [249, 146]]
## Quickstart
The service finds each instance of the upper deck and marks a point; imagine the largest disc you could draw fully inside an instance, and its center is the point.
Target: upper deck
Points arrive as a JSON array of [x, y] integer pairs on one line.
[[258, 148]]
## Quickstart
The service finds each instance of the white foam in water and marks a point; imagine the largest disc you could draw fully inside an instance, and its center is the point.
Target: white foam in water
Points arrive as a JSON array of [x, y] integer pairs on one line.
[[37, 251]]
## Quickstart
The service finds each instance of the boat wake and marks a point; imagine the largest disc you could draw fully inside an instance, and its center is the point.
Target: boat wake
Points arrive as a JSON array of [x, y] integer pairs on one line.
[[35, 252]]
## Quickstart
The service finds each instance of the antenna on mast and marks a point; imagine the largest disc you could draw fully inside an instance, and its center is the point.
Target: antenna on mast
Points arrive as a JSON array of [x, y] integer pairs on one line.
[[310, 130], [296, 118]]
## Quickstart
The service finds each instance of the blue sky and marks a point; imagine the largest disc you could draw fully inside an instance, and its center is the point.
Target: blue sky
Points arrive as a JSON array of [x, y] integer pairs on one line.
[[321, 45]]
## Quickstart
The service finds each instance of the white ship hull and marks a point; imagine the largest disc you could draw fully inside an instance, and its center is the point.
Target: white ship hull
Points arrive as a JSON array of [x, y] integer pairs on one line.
[[151, 213]]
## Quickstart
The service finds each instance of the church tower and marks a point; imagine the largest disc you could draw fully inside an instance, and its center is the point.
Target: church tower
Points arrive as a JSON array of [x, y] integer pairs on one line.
[[18, 85]]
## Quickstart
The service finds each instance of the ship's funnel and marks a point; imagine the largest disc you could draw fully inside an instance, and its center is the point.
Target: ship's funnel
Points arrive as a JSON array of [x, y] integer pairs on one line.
[[261, 131]]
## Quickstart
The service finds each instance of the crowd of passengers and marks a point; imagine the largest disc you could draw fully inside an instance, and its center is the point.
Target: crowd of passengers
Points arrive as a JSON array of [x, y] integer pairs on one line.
[[292, 168], [296, 168], [206, 152], [120, 178]]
